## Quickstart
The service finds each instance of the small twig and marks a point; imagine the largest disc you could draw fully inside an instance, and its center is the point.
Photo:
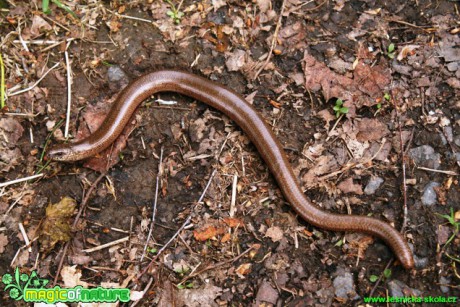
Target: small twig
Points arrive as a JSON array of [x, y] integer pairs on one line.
[[69, 92], [410, 24], [275, 37], [86, 198], [333, 127], [154, 209], [35, 84], [216, 265], [233, 202], [103, 246], [403, 162], [380, 277], [146, 288], [77, 218], [24, 236], [4, 184], [187, 221], [451, 173], [130, 17]]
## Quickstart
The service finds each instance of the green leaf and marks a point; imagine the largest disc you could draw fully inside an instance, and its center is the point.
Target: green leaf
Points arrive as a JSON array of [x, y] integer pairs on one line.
[[387, 96], [379, 106], [387, 273], [170, 13], [391, 48], [339, 243], [46, 7], [391, 55], [344, 110], [373, 278]]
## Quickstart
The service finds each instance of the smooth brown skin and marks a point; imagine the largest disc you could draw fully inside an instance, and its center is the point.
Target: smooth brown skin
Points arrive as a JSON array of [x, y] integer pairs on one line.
[[235, 107]]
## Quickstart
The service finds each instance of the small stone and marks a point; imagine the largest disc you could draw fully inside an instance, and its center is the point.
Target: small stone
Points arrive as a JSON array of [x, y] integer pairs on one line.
[[452, 66], [399, 289], [443, 281], [429, 196], [117, 77], [426, 156], [373, 184], [267, 293], [344, 286]]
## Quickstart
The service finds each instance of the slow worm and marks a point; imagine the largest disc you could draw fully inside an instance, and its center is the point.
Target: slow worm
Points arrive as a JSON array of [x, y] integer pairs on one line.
[[234, 106]]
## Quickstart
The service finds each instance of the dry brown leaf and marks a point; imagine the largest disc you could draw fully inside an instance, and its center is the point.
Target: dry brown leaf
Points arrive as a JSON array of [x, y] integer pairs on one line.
[[207, 233], [275, 233], [371, 129], [71, 277], [3, 242], [244, 269], [233, 222], [347, 186], [56, 226], [39, 25], [363, 89]]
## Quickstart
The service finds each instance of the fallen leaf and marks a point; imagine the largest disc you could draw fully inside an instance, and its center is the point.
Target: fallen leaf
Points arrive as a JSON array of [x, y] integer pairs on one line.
[[244, 269], [71, 277], [203, 296], [3, 242], [275, 233], [371, 129], [39, 25], [347, 186], [208, 233], [56, 226]]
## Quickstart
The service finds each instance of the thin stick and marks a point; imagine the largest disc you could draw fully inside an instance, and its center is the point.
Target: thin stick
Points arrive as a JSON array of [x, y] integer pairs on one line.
[[2, 83], [216, 265], [103, 246], [82, 207], [403, 164], [4, 184], [437, 171], [69, 92], [154, 209], [24, 236], [275, 37], [380, 277], [85, 200], [233, 202], [35, 84], [187, 221]]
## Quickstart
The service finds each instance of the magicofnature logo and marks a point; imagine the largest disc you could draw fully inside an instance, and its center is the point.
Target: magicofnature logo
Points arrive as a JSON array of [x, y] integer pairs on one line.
[[31, 288]]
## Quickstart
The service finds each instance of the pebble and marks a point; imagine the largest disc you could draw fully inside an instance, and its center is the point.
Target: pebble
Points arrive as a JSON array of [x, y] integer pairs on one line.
[[429, 196], [373, 184], [426, 156], [267, 293], [444, 281], [399, 289], [117, 77], [344, 286]]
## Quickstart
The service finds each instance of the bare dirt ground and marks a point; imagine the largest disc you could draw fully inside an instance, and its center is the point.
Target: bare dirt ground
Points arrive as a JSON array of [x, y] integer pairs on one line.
[[364, 96]]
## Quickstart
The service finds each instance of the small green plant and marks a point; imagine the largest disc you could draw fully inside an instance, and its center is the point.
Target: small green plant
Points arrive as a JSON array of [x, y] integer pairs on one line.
[[391, 51], [386, 275], [46, 7], [174, 12], [152, 250], [2, 84], [451, 219], [339, 108], [188, 285]]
